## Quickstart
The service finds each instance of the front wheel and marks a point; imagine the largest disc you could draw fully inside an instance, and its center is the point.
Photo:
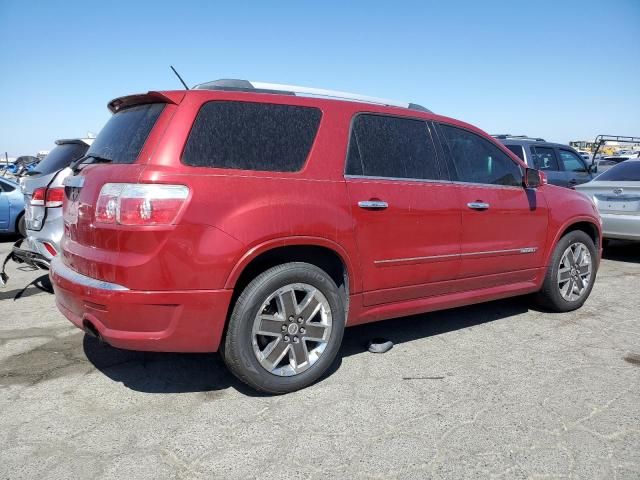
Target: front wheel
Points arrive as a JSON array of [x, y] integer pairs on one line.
[[286, 328], [571, 274]]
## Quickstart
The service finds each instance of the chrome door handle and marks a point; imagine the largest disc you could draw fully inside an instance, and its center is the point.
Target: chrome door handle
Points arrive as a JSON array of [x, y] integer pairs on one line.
[[478, 205], [373, 204]]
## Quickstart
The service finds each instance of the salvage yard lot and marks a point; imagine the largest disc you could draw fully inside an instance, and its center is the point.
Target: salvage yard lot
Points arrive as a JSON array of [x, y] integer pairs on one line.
[[498, 390]]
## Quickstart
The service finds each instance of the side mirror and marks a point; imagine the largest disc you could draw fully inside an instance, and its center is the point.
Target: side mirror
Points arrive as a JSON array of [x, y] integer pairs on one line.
[[532, 178], [593, 168]]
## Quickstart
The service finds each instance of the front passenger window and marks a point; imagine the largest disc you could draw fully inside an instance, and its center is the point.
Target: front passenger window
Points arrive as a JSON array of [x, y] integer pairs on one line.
[[571, 162], [477, 160]]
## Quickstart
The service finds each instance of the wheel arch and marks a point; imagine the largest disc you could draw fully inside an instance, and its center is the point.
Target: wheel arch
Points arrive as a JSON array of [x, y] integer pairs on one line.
[[586, 225], [321, 252]]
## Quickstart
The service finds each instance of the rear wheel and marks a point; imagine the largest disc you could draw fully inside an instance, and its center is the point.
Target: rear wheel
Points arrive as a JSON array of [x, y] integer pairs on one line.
[[22, 226], [570, 276], [286, 328]]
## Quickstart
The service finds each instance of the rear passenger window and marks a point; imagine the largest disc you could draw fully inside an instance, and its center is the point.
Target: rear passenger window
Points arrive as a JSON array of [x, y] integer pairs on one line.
[[518, 150], [391, 147], [477, 160], [544, 158], [252, 136]]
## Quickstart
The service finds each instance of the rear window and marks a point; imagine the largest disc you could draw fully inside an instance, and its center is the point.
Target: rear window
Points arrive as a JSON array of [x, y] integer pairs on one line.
[[60, 157], [123, 137], [252, 136], [623, 172]]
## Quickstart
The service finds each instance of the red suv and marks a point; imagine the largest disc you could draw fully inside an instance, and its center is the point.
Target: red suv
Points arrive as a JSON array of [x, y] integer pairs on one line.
[[260, 220]]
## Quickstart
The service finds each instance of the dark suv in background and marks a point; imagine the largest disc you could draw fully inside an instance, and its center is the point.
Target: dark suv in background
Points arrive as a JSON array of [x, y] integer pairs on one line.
[[562, 164]]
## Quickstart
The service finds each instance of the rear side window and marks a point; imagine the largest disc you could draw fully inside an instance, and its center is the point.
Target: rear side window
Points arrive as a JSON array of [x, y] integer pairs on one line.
[[123, 137], [391, 147], [6, 187], [477, 160], [252, 136], [61, 157], [544, 158], [623, 172], [518, 150]]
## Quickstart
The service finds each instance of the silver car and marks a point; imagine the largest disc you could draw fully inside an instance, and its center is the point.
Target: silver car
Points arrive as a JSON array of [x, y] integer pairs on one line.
[[43, 195], [616, 193]]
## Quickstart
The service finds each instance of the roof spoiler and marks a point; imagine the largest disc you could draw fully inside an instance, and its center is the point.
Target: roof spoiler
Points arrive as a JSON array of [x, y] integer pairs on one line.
[[120, 103]]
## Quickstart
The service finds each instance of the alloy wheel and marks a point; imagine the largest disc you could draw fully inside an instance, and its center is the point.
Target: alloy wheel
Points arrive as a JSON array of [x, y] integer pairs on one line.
[[574, 273], [292, 329]]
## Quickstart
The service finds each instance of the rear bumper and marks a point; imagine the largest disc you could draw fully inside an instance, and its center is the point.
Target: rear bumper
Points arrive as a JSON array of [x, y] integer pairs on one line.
[[161, 321], [623, 227], [30, 256]]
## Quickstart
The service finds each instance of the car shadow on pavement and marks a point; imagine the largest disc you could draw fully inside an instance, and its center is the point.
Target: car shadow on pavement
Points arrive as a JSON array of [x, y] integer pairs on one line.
[[157, 372], [407, 329], [152, 372], [622, 251]]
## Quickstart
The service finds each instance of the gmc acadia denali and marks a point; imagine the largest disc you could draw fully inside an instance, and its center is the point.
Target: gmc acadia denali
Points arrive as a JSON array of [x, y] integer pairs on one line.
[[260, 220]]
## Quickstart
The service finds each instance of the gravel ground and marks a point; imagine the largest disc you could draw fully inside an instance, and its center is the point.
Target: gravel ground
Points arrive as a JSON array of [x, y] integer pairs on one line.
[[495, 390]]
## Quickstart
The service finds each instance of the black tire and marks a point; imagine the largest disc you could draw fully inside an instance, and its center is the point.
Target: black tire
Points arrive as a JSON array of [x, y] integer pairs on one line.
[[238, 351], [549, 296], [22, 226]]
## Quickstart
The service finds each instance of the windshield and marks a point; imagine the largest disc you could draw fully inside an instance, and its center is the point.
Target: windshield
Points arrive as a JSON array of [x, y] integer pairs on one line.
[[623, 172], [60, 157], [123, 137]]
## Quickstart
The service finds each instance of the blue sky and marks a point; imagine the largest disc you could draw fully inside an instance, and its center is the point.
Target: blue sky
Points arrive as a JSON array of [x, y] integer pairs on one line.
[[558, 69]]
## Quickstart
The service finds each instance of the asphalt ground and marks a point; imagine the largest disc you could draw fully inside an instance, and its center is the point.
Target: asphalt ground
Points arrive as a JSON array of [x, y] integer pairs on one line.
[[499, 390]]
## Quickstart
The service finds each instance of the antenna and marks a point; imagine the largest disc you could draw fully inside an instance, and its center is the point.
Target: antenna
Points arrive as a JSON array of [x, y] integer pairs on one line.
[[179, 77]]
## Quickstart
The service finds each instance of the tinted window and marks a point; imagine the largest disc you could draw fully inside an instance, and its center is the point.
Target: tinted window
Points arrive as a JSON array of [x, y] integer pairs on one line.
[[477, 160], [544, 158], [252, 136], [391, 147], [623, 172], [517, 149], [122, 138], [60, 157], [6, 187], [571, 161]]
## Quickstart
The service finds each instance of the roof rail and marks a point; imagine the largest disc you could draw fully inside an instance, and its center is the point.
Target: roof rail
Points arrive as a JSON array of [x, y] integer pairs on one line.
[[263, 87], [502, 136]]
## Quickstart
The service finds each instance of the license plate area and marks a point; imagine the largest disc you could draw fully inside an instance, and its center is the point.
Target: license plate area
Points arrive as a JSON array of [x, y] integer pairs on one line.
[[620, 204]]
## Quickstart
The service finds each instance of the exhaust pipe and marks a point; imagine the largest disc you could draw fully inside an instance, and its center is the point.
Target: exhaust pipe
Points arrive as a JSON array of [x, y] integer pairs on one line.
[[91, 330]]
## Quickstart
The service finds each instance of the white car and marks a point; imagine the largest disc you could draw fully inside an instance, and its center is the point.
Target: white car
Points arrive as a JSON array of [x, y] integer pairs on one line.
[[616, 193]]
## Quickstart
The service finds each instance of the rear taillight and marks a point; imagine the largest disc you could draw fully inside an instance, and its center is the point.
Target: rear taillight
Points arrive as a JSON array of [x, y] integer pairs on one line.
[[140, 204], [48, 197], [543, 177]]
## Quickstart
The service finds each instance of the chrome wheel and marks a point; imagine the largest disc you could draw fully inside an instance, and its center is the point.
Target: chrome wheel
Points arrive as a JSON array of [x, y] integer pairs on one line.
[[574, 274], [291, 330]]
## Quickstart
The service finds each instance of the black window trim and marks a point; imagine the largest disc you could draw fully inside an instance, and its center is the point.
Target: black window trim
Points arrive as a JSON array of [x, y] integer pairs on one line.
[[270, 172], [489, 185], [439, 163]]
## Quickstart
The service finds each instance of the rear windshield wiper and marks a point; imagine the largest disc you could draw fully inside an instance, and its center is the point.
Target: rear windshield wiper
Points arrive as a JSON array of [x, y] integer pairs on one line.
[[88, 159]]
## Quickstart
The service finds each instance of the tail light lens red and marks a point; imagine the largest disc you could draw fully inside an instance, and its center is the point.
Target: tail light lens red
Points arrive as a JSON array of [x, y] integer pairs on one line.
[[140, 204], [48, 197], [543, 177]]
